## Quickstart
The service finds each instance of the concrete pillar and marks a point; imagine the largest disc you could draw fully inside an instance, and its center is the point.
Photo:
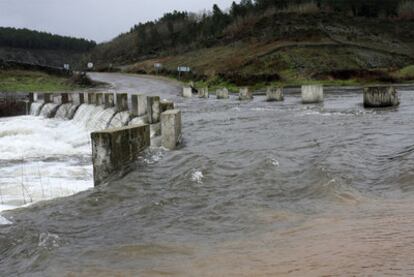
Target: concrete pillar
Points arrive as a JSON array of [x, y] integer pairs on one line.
[[112, 149], [187, 92], [312, 94], [99, 99], [245, 94], [31, 97], [35, 97], [109, 101], [121, 102], [166, 105], [153, 109], [274, 94], [139, 105], [171, 129], [81, 98], [64, 98], [222, 93], [203, 93], [91, 98], [47, 97], [380, 96]]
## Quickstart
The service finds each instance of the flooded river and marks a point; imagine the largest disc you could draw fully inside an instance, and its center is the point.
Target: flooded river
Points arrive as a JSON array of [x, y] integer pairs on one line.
[[256, 189]]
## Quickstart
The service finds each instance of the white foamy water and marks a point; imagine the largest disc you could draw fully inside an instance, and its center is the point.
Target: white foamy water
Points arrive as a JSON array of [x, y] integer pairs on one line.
[[45, 158], [42, 159]]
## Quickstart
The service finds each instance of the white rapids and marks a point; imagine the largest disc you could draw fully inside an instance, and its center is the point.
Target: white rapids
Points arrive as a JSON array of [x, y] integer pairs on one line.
[[44, 158]]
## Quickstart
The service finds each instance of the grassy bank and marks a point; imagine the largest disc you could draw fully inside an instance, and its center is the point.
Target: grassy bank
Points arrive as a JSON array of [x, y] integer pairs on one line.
[[33, 81]]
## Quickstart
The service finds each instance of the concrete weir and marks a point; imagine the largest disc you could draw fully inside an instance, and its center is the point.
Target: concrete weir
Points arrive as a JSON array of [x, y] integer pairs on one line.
[[170, 129], [380, 96], [114, 148], [274, 95], [312, 94]]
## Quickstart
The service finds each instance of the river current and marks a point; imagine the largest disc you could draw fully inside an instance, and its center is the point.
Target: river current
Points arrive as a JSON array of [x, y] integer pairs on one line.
[[255, 189]]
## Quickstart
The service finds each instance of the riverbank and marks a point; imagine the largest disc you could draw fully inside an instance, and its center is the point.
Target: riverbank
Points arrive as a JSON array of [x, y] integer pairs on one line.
[[35, 81]]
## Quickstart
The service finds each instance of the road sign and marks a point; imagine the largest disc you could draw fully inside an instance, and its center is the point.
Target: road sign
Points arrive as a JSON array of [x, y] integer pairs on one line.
[[157, 65], [183, 69], [66, 66], [90, 65]]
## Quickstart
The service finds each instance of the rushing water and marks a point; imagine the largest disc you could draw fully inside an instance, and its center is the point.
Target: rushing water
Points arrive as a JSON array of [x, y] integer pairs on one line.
[[255, 189]]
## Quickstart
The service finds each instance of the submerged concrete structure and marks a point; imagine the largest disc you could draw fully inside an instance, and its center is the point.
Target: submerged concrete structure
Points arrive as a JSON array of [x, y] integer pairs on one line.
[[222, 93], [245, 94], [312, 94], [171, 129], [203, 93], [113, 149], [380, 97], [274, 95], [187, 92]]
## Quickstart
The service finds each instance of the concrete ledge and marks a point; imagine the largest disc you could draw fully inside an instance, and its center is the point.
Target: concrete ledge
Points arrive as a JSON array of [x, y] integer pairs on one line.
[[312, 94], [171, 129], [114, 148], [380, 96]]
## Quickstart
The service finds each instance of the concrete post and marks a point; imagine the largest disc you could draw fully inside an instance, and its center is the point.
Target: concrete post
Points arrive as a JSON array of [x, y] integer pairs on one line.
[[187, 92], [112, 149], [153, 109], [64, 98], [47, 98], [245, 94], [203, 93], [91, 98], [139, 104], [222, 94], [99, 99], [31, 97], [312, 94], [81, 98], [274, 94], [122, 102], [170, 129], [166, 105], [109, 100], [380, 96]]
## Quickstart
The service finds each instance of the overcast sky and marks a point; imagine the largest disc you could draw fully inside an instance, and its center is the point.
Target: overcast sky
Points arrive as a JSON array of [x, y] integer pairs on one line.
[[99, 20]]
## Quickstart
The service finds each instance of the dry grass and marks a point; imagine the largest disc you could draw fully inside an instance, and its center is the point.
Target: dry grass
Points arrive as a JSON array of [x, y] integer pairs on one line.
[[406, 10]]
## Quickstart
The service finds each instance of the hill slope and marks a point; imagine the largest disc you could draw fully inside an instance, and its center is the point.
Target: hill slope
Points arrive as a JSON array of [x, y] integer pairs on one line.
[[279, 46], [35, 47]]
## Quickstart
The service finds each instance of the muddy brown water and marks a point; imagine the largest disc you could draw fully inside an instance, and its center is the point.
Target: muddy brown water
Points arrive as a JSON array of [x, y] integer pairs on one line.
[[256, 189]]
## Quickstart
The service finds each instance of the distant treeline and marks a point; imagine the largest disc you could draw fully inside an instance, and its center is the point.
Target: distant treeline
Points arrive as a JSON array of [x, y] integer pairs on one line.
[[28, 39], [183, 30]]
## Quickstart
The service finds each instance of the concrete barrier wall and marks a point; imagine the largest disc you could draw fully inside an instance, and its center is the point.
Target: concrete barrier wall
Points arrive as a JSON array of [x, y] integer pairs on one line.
[[112, 149], [380, 96], [203, 93]]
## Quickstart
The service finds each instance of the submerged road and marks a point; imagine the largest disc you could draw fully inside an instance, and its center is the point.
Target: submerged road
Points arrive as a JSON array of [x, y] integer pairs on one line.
[[142, 84], [256, 189]]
